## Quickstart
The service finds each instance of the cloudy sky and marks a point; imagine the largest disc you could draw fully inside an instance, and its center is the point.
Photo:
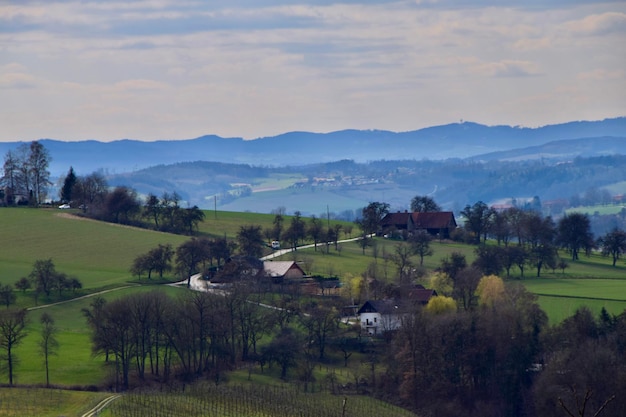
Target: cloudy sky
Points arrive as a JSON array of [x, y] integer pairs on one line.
[[176, 69]]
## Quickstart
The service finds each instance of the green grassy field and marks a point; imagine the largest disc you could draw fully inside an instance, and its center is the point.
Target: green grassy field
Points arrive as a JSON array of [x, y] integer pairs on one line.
[[560, 297], [99, 254], [226, 223]]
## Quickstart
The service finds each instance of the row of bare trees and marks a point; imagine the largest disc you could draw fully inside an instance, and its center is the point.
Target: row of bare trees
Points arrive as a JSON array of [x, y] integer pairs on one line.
[[526, 238], [190, 257], [315, 229], [150, 336]]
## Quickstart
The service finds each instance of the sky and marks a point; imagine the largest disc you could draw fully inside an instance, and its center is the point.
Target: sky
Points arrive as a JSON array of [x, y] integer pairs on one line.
[[179, 69]]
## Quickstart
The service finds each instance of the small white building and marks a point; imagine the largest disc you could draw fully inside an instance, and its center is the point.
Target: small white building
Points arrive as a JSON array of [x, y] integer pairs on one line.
[[380, 316]]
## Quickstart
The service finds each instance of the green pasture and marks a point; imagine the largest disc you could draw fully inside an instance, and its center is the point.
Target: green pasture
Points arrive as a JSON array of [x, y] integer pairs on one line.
[[39, 402], [227, 223], [560, 298], [559, 308], [604, 289], [98, 254]]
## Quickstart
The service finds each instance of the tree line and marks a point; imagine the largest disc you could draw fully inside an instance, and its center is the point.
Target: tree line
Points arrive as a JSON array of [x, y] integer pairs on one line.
[[502, 359], [92, 194], [150, 336], [524, 238]]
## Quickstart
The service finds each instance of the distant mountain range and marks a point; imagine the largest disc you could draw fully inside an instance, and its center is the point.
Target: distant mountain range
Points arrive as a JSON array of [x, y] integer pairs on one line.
[[457, 140], [457, 164]]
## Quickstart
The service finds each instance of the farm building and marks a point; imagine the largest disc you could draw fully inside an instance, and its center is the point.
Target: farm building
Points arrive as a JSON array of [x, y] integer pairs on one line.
[[283, 270], [440, 223]]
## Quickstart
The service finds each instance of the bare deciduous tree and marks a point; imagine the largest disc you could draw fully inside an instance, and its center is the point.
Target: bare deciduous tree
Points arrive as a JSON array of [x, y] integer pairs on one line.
[[12, 332], [48, 343]]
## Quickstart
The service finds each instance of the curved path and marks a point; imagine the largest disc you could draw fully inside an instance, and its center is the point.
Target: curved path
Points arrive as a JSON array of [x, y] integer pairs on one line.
[[101, 405], [81, 297]]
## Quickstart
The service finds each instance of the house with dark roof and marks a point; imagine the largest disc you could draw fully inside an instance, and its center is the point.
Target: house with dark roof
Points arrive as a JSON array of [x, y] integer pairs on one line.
[[421, 295], [380, 316], [438, 223], [399, 221]]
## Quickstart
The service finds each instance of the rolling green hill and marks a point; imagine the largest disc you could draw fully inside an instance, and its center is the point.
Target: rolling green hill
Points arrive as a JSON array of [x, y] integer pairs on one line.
[[97, 253]]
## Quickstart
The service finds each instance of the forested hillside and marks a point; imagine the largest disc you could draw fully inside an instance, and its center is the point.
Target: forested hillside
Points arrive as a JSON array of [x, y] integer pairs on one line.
[[454, 182]]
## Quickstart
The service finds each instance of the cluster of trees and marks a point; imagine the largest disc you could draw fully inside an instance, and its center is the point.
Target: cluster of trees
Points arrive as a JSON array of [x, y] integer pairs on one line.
[[501, 359], [95, 198], [152, 336], [591, 197], [298, 230], [526, 238], [190, 257], [44, 279], [25, 177], [169, 216], [483, 348]]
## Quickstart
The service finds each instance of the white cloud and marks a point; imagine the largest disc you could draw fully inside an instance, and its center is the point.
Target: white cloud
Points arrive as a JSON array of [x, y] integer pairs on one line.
[[17, 80], [598, 24]]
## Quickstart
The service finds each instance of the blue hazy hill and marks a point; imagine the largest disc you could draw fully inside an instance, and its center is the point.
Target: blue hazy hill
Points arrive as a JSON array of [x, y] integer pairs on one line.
[[456, 140]]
